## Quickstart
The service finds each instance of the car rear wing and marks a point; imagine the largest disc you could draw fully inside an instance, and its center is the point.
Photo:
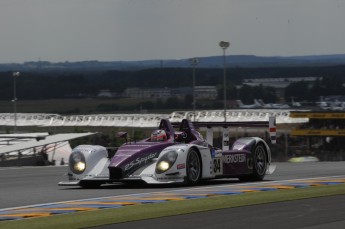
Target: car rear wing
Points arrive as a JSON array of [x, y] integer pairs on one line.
[[270, 124]]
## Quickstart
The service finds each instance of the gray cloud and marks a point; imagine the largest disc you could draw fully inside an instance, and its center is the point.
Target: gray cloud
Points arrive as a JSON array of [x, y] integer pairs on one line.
[[78, 30]]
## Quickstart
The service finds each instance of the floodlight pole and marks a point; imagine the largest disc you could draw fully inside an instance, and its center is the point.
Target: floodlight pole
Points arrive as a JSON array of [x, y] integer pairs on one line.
[[224, 45], [15, 75], [194, 62]]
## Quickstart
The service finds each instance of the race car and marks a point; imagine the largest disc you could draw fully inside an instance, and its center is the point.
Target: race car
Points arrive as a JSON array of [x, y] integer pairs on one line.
[[169, 156]]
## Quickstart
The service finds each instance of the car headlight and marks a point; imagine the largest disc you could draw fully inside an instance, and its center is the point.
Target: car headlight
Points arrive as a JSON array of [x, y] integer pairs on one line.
[[79, 166], [163, 166], [77, 163], [166, 162]]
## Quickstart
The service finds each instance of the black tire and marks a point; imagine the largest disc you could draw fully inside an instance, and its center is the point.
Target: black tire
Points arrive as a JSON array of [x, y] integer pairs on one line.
[[259, 164], [193, 167]]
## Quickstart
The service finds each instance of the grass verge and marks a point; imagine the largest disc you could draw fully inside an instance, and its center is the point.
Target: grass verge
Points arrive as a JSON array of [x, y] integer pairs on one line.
[[147, 211]]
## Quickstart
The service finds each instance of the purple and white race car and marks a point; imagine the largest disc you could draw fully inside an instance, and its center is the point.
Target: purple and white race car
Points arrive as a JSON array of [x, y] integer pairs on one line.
[[177, 156]]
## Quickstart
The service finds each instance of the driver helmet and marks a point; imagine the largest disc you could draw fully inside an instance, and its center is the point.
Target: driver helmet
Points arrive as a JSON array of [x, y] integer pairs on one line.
[[158, 136]]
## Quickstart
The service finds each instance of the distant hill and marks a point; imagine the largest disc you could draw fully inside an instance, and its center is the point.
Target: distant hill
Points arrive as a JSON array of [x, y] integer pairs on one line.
[[205, 62]]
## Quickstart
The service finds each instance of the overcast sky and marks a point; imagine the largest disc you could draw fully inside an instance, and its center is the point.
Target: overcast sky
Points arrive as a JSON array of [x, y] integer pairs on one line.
[[113, 30]]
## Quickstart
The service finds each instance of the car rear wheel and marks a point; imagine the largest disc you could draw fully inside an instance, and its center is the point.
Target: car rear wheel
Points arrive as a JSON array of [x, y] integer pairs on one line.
[[193, 165], [259, 164]]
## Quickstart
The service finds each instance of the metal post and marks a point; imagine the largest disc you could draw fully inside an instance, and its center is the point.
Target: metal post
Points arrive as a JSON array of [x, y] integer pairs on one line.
[[224, 80], [209, 135], [15, 75], [226, 138], [194, 91], [224, 45], [194, 62]]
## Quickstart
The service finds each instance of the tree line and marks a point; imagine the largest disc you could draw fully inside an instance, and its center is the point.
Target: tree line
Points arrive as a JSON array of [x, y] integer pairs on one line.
[[57, 85]]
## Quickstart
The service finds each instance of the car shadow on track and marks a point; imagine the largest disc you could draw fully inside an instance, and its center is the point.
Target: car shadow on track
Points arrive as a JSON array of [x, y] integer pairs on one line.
[[141, 185]]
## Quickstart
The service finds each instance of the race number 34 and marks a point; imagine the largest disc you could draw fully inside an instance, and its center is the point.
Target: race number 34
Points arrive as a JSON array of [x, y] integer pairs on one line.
[[217, 166]]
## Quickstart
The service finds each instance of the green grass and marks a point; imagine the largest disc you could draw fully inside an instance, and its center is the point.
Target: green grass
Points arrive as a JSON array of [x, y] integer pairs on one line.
[[147, 211]]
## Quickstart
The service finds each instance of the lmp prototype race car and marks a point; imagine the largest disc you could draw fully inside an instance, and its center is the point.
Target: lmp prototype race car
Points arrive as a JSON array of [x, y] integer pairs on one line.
[[169, 156]]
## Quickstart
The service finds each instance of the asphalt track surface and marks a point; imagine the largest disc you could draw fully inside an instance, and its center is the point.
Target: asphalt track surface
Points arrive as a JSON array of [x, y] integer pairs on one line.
[[24, 186], [37, 185]]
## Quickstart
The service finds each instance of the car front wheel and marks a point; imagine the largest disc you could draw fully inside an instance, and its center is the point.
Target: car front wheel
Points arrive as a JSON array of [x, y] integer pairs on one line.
[[193, 165]]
